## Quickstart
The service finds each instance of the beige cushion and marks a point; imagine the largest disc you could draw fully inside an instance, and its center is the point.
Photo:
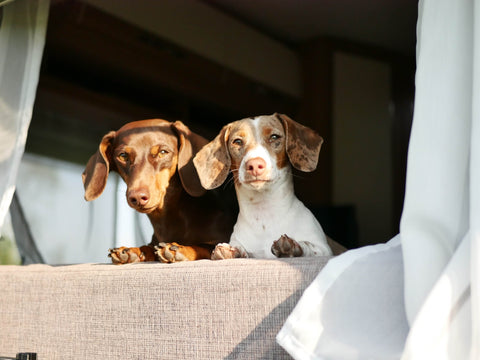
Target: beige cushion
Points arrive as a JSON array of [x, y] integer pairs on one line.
[[193, 310]]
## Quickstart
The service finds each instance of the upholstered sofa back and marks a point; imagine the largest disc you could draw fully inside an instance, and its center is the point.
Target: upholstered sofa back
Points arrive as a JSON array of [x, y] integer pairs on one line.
[[229, 309]]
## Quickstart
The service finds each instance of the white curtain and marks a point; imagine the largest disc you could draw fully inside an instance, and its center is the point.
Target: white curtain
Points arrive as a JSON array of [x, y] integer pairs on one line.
[[415, 297], [22, 38]]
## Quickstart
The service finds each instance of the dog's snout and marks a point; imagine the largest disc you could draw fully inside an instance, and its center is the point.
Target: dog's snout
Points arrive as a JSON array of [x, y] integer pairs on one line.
[[256, 166], [138, 197]]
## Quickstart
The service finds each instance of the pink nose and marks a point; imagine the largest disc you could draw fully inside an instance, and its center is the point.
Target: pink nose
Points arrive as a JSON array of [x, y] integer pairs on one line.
[[138, 197], [256, 166]]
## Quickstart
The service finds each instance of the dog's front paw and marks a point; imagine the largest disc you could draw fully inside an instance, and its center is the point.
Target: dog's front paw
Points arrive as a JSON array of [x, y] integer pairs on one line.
[[170, 252], [226, 251], [286, 247], [126, 255]]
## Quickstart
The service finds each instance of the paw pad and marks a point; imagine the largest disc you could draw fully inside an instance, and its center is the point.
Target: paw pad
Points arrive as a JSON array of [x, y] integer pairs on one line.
[[286, 247]]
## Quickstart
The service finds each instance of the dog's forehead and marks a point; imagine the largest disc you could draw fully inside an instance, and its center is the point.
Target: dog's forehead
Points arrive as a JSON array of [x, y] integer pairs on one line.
[[144, 132], [244, 126], [266, 124], [257, 126]]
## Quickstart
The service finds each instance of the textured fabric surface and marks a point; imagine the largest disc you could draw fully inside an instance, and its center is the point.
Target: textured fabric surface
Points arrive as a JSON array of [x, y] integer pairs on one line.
[[229, 309]]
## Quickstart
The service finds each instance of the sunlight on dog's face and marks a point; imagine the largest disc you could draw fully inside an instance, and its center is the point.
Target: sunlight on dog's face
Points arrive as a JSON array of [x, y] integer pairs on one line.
[[257, 150], [146, 162]]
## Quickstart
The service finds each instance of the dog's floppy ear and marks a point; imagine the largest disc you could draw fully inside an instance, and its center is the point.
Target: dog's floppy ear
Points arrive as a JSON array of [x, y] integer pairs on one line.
[[96, 172], [190, 144], [213, 161], [302, 144]]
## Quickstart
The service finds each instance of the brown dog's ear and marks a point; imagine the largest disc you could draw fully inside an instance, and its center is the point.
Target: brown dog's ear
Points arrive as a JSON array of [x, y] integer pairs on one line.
[[190, 144], [302, 144], [213, 161], [96, 172]]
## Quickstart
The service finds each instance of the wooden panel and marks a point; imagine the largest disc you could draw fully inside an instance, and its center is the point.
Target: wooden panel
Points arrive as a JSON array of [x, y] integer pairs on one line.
[[92, 41]]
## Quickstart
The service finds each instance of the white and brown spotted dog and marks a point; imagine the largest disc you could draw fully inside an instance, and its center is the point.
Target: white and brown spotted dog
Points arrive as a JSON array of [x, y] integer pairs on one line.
[[260, 152]]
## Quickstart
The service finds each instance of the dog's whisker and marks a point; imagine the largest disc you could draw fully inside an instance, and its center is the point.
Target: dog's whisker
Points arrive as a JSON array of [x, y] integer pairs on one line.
[[297, 176], [229, 182]]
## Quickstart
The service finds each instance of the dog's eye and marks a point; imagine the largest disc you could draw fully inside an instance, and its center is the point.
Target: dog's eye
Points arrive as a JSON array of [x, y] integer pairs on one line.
[[238, 142], [123, 157], [158, 151], [274, 137]]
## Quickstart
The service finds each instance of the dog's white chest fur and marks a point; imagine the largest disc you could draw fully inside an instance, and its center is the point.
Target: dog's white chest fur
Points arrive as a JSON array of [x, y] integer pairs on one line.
[[268, 214], [270, 210]]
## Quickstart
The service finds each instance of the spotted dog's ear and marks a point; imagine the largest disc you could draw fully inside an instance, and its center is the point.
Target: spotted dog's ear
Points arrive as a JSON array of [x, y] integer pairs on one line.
[[302, 144], [213, 161], [189, 144]]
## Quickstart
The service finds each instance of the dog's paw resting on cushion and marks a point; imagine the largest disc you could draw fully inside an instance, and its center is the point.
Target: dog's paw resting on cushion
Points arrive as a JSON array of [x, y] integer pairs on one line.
[[124, 255], [173, 252], [226, 251], [286, 247]]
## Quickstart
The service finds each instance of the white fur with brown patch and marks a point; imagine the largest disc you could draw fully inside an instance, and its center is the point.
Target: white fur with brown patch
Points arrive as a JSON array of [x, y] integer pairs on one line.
[[265, 192]]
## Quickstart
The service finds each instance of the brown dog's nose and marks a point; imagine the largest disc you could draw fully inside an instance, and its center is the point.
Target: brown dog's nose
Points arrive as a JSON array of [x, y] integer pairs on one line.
[[138, 197], [256, 166]]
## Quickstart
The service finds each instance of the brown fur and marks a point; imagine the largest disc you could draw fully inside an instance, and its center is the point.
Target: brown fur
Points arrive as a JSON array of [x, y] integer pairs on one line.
[[154, 158]]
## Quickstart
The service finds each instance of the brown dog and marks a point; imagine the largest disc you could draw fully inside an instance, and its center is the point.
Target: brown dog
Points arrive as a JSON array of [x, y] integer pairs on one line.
[[154, 158]]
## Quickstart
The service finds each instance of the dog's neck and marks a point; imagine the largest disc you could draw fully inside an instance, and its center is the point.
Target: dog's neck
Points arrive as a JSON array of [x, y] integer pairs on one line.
[[172, 201], [172, 191], [275, 197], [182, 217]]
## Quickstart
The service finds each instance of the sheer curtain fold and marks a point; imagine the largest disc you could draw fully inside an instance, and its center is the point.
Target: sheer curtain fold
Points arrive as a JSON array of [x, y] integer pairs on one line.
[[438, 245], [435, 214], [22, 38], [439, 228], [475, 191]]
